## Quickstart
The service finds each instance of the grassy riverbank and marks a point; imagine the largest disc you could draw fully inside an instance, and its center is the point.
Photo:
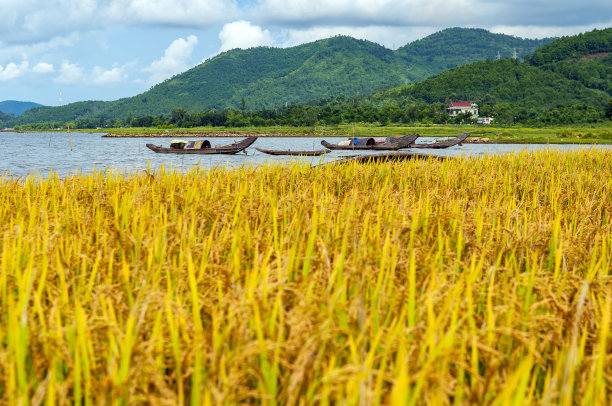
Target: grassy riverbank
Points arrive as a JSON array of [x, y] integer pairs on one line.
[[596, 134], [582, 134], [420, 282]]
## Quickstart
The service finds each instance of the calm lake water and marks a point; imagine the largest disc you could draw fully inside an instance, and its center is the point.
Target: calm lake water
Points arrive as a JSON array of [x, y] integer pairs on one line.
[[23, 154]]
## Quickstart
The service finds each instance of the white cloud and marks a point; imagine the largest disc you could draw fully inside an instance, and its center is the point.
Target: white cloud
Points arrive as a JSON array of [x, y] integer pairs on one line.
[[32, 21], [32, 50], [103, 77], [12, 70], [192, 13], [38, 20], [243, 34], [373, 12], [43, 67], [70, 73], [175, 59], [74, 74]]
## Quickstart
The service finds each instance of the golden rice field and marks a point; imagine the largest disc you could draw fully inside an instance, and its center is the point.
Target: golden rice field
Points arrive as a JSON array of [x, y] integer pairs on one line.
[[470, 281]]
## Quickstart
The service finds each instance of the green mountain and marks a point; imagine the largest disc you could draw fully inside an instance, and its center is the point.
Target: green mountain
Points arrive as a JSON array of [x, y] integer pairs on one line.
[[266, 77], [494, 82], [586, 58], [570, 71], [454, 47], [15, 107], [269, 77]]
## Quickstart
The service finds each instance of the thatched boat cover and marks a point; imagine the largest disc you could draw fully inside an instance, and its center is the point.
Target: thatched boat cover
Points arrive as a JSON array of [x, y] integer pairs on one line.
[[198, 144], [178, 144], [364, 141]]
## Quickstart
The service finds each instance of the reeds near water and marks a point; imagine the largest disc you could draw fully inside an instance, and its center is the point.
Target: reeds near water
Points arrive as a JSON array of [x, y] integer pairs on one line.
[[471, 281]]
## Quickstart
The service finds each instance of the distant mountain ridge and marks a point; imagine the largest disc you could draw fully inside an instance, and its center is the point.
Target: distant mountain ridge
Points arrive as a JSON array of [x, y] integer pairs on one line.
[[267, 77], [454, 47], [16, 108]]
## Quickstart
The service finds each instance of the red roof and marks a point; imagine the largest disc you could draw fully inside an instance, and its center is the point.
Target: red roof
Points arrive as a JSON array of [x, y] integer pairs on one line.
[[461, 104]]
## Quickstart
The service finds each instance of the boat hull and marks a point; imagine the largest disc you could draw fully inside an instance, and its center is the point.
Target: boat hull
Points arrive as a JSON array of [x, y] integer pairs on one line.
[[227, 150], [292, 153], [443, 144], [402, 142]]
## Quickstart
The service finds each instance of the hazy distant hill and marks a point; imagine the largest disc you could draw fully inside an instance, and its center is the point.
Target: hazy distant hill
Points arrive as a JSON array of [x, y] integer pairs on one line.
[[271, 77], [15, 107]]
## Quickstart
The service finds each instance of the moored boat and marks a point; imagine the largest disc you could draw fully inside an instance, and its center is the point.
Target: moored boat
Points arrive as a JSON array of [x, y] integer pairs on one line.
[[202, 147], [290, 152], [368, 143], [443, 144]]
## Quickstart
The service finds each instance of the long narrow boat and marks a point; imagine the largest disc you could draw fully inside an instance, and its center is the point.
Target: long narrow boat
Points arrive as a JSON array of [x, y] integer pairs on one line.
[[204, 147], [290, 152], [389, 144], [443, 144]]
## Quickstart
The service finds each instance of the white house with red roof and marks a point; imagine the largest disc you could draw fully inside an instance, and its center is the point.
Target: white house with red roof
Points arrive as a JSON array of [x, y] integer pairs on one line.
[[462, 107]]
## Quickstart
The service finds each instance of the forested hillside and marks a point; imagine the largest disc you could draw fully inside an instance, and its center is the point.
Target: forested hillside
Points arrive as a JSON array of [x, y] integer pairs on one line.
[[586, 58], [271, 77], [568, 80], [268, 77], [454, 47], [494, 82]]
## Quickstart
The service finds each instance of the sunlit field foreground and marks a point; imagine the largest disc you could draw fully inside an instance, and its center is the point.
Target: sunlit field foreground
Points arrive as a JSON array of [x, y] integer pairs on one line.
[[470, 281]]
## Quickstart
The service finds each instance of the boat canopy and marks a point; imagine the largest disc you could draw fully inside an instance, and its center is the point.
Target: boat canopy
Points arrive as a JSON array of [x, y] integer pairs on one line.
[[178, 144], [364, 141], [198, 144]]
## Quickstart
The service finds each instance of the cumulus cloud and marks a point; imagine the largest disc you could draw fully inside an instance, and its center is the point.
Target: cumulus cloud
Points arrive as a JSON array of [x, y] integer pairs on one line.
[[175, 59], [70, 73], [243, 34], [12, 70], [74, 74], [31, 50], [103, 77], [193, 13], [38, 20], [43, 67]]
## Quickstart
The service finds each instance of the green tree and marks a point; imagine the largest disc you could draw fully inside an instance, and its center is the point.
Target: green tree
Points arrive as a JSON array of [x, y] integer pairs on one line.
[[178, 116]]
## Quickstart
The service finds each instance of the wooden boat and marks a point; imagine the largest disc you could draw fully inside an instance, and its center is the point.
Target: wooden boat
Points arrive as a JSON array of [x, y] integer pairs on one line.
[[289, 152], [389, 144], [443, 144], [204, 147]]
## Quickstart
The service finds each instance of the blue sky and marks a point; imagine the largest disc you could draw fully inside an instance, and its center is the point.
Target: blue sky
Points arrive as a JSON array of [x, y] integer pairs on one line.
[[109, 49]]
